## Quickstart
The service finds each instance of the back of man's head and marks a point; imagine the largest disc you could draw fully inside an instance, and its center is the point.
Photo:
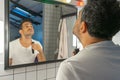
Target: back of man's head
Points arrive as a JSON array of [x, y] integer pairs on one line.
[[102, 18]]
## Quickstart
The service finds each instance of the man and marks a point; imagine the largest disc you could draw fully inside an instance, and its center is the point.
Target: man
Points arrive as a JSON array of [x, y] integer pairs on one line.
[[97, 23], [24, 49]]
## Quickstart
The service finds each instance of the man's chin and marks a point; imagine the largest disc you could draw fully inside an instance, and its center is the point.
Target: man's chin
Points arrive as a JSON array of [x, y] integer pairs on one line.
[[29, 35], [75, 35]]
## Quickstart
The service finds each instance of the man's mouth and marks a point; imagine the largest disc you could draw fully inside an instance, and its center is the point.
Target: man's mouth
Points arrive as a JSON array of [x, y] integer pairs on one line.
[[29, 30]]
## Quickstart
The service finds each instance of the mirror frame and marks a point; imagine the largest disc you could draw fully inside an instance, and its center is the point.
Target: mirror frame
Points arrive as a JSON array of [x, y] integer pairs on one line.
[[7, 38]]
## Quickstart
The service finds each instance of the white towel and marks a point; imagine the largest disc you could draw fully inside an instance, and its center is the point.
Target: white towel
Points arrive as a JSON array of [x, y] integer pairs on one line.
[[63, 48]]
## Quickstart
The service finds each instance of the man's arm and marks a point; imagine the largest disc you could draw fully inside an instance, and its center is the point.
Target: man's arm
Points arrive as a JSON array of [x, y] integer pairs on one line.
[[40, 55], [10, 61]]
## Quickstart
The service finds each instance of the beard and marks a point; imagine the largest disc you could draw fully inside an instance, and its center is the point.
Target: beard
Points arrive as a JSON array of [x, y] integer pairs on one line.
[[29, 34]]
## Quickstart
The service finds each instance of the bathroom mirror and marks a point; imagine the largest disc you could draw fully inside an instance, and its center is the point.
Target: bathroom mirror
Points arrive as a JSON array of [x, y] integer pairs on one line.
[[45, 37]]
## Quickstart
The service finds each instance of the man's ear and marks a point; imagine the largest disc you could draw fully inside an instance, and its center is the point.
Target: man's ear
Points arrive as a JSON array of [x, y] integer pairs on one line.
[[20, 31], [83, 27]]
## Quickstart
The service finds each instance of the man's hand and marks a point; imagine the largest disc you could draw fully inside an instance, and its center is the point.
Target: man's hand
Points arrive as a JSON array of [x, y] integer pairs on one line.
[[40, 56], [36, 47]]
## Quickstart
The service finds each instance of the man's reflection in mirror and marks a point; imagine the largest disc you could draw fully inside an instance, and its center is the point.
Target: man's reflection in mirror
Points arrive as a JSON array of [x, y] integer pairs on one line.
[[24, 49]]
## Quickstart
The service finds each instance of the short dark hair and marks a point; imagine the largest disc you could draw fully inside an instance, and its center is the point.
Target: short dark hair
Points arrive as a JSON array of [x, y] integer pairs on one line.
[[102, 18], [76, 50], [23, 21]]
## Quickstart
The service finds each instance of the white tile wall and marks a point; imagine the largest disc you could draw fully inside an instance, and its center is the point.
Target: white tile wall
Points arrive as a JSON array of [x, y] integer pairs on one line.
[[51, 79], [20, 76], [51, 73], [19, 70], [31, 75], [58, 64], [1, 8], [9, 77], [56, 70], [51, 65], [41, 74], [51, 22], [42, 66], [5, 72], [31, 68], [1, 58], [1, 38]]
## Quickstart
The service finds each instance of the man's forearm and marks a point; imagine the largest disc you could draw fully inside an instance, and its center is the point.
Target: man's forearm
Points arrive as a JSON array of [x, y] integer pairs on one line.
[[10, 62], [41, 56]]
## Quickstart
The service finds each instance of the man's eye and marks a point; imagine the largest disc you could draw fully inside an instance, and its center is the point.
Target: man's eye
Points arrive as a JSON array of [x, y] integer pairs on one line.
[[26, 26]]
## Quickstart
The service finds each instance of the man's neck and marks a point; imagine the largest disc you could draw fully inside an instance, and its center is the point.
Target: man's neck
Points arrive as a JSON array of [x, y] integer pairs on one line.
[[92, 41], [25, 42]]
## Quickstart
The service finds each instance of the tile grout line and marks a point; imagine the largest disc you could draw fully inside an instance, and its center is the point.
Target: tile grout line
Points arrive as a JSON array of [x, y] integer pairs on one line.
[[36, 73], [55, 69], [46, 71], [13, 74], [5, 75], [25, 73]]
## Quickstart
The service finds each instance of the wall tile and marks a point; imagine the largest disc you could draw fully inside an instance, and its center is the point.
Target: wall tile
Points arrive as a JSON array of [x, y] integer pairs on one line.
[[56, 70], [2, 10], [31, 75], [51, 79], [19, 76], [10, 77], [41, 66], [31, 68], [41, 75], [5, 72], [19, 70], [51, 73], [51, 65], [58, 64], [1, 58]]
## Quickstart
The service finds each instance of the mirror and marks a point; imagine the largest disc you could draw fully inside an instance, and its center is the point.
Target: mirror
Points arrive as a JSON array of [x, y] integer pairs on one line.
[[37, 32]]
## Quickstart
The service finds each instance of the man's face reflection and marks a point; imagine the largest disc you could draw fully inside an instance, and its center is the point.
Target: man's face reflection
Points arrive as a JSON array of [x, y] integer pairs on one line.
[[27, 29]]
